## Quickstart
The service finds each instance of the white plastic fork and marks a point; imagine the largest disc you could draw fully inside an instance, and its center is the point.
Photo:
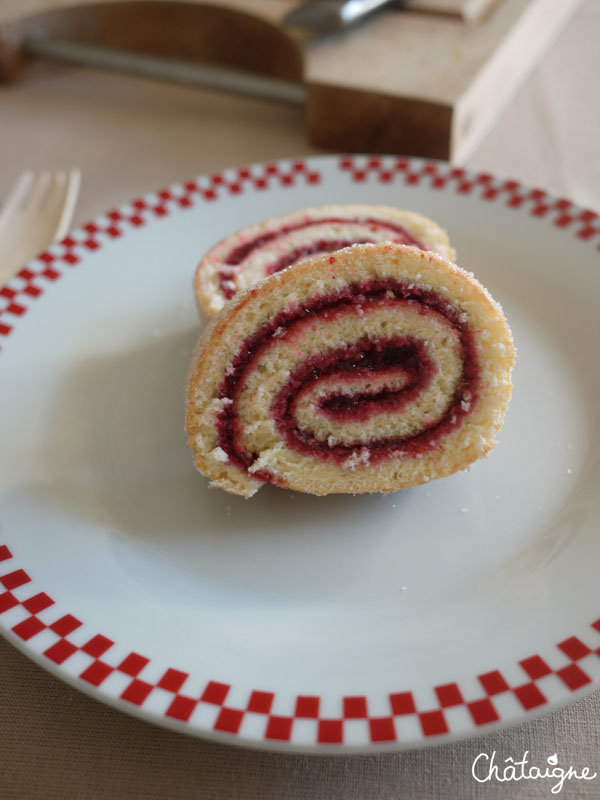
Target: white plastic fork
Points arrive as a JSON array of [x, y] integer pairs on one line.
[[37, 212]]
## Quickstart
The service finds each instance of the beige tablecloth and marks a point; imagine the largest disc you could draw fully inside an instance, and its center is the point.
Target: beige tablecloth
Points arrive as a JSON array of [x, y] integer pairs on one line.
[[130, 137]]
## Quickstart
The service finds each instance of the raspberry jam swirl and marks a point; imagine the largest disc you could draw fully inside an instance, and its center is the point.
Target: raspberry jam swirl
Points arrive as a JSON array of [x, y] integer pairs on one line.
[[300, 382], [364, 226]]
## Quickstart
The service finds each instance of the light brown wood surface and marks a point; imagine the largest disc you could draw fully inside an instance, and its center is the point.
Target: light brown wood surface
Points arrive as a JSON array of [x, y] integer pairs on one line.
[[466, 9], [420, 83], [443, 72]]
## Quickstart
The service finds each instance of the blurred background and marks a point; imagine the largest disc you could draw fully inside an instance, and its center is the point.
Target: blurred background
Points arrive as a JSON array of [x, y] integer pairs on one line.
[[505, 86]]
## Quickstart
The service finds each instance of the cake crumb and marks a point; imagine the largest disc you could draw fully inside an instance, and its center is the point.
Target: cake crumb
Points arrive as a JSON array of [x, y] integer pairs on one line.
[[219, 455], [357, 459]]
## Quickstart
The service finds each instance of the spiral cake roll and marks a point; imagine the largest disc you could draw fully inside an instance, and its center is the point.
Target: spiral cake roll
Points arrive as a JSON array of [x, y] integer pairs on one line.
[[268, 247], [376, 368]]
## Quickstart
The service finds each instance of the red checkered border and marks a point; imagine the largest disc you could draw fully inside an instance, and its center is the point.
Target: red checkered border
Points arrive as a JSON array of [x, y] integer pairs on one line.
[[573, 658], [31, 281], [584, 223]]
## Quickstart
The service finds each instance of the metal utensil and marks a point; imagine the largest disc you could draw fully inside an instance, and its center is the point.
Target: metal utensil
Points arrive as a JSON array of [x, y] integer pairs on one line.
[[316, 16], [206, 76], [331, 15]]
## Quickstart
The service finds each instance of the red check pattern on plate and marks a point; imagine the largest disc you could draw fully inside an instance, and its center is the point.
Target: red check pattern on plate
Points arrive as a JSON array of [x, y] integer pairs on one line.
[[49, 266], [31, 281], [570, 666], [383, 169]]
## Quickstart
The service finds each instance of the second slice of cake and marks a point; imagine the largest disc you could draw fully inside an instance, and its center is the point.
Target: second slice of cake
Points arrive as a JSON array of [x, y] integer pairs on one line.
[[260, 250]]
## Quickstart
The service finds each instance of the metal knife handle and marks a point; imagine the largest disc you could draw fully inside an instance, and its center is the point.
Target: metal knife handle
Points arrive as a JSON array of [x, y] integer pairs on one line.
[[206, 76]]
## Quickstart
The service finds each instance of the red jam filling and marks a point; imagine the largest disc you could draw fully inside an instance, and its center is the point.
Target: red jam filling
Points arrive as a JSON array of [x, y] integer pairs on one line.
[[321, 246], [242, 251], [400, 356], [368, 356]]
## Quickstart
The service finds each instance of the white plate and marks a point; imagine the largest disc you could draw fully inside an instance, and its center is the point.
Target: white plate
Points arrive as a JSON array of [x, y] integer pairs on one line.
[[290, 621]]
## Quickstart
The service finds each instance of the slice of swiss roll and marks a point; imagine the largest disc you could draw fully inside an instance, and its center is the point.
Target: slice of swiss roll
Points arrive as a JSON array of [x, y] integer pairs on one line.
[[376, 368], [268, 247]]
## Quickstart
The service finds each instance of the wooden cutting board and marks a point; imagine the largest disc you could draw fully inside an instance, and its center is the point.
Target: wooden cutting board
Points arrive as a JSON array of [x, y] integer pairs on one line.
[[426, 79]]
